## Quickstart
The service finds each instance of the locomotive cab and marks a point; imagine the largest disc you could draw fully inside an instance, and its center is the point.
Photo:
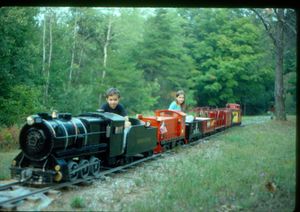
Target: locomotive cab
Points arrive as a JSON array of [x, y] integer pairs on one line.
[[140, 138]]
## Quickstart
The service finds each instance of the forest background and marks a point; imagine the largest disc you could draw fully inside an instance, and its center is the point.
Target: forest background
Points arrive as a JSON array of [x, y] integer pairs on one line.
[[64, 59]]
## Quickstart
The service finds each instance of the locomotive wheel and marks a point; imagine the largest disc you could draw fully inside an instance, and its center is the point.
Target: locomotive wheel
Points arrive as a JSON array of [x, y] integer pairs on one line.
[[95, 166], [84, 168], [128, 160], [179, 143], [166, 147], [73, 173], [149, 153]]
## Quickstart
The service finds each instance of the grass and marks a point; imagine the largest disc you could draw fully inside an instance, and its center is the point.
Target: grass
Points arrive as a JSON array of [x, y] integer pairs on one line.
[[229, 173], [5, 161], [78, 202], [8, 149], [9, 143]]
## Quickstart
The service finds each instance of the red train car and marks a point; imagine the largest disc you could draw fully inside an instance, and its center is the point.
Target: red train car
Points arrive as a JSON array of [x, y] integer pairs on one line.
[[208, 125], [214, 119], [236, 113], [227, 117], [223, 118], [171, 128], [208, 117]]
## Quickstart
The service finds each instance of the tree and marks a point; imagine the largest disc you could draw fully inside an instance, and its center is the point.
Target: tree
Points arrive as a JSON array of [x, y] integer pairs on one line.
[[122, 71], [19, 58], [229, 55], [276, 23], [163, 55]]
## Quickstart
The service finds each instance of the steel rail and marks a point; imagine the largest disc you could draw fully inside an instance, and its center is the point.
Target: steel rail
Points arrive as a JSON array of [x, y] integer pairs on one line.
[[57, 186], [8, 185]]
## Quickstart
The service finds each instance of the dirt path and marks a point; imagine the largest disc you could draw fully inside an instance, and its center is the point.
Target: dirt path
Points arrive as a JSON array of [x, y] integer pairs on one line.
[[111, 194]]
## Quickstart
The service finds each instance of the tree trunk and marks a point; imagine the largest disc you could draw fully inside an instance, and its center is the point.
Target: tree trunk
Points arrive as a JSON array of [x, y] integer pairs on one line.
[[49, 61], [278, 40], [108, 38], [44, 46], [279, 89], [73, 53], [77, 74], [105, 47]]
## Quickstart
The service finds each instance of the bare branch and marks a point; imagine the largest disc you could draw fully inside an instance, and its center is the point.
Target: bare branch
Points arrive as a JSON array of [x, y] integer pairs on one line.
[[268, 29], [276, 12], [288, 25]]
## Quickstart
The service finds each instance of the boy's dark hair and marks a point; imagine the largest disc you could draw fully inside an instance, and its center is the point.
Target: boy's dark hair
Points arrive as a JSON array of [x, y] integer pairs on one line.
[[112, 91]]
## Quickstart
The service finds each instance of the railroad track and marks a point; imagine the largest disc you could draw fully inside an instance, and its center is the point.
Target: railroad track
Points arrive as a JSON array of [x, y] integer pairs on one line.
[[7, 202], [9, 185]]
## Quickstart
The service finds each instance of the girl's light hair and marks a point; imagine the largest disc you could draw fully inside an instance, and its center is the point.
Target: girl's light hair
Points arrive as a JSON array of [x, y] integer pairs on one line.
[[180, 92]]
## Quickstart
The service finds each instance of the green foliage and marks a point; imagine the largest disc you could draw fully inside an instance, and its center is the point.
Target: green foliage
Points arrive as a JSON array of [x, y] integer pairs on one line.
[[290, 75], [290, 82], [137, 94], [18, 60], [78, 202], [21, 102], [228, 55], [75, 100], [163, 57], [215, 55]]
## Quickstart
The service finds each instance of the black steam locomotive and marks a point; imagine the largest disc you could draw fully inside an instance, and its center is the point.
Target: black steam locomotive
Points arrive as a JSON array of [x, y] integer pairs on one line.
[[59, 147]]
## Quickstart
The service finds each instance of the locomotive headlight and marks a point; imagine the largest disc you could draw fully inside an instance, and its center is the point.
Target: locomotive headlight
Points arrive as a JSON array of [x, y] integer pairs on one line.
[[14, 163], [30, 120], [54, 114], [57, 168], [33, 119]]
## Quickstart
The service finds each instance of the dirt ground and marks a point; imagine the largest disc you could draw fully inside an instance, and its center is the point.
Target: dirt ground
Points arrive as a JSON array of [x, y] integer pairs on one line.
[[109, 194]]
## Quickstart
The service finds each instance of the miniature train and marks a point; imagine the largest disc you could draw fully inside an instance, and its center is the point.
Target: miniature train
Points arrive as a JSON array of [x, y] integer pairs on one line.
[[62, 148]]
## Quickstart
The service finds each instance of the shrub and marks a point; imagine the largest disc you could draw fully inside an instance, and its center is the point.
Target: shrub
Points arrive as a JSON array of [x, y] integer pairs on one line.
[[9, 138]]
